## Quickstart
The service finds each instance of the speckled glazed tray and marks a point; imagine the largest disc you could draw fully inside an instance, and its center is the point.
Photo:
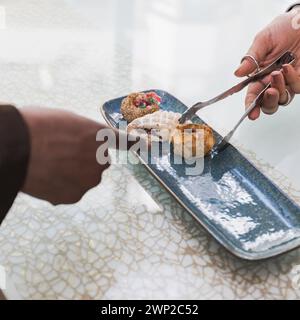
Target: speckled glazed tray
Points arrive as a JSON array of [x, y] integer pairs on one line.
[[232, 199]]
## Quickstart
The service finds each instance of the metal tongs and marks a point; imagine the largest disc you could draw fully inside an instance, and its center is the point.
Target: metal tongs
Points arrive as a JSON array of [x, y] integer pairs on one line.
[[287, 58]]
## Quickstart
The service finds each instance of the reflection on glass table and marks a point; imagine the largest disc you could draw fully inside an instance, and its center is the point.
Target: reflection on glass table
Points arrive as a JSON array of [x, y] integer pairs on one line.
[[128, 238]]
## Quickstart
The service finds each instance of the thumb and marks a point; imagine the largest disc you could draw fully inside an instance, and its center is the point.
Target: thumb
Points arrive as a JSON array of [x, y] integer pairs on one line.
[[246, 67], [258, 50]]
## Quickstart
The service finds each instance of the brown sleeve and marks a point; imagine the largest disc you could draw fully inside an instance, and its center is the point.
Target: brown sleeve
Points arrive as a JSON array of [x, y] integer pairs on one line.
[[14, 156], [2, 296]]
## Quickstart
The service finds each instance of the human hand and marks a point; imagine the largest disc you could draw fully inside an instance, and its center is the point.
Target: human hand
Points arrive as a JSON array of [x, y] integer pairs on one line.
[[63, 163], [268, 45]]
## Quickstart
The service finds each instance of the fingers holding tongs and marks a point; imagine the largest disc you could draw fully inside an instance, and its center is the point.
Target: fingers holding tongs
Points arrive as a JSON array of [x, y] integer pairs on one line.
[[286, 58]]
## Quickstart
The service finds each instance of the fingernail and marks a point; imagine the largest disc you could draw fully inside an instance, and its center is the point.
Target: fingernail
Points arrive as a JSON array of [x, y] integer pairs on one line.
[[237, 70], [276, 74], [276, 77], [285, 69]]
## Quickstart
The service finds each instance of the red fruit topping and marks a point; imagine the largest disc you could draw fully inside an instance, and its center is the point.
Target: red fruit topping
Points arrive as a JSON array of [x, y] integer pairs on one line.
[[149, 99], [153, 95]]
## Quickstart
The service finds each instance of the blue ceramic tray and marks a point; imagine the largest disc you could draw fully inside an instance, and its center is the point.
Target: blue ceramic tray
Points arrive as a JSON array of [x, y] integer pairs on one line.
[[232, 199]]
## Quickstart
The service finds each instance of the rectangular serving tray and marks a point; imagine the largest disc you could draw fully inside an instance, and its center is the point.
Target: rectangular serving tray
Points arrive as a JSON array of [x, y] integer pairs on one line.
[[232, 199]]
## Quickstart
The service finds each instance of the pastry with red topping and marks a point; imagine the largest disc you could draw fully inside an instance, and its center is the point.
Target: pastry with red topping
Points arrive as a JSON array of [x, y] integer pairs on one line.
[[137, 105]]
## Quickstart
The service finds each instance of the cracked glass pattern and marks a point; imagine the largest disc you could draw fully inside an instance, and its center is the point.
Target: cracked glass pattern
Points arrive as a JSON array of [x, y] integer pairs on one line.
[[128, 238]]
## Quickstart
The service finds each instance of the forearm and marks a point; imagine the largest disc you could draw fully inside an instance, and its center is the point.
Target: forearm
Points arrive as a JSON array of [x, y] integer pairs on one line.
[[14, 156]]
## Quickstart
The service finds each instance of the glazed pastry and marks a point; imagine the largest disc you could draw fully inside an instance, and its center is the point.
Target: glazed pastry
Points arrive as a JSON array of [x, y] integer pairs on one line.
[[192, 140], [137, 105], [159, 126]]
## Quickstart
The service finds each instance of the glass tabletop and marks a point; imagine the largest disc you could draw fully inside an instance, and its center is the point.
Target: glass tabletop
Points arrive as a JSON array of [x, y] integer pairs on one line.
[[128, 238]]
